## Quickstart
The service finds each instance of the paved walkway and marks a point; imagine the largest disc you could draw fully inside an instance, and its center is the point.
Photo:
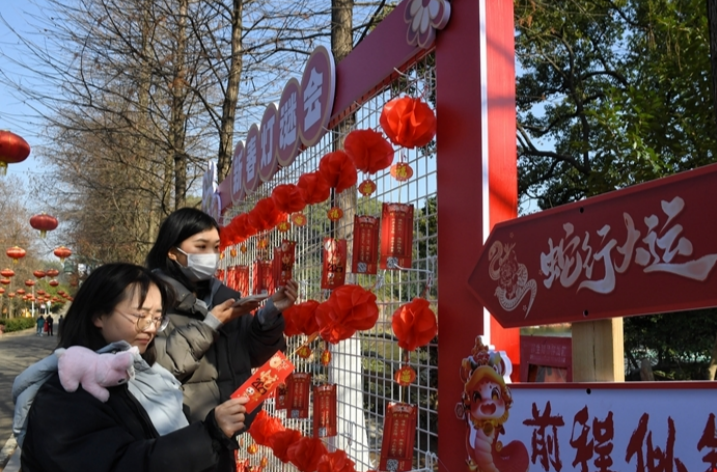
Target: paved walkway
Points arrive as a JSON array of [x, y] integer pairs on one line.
[[17, 351]]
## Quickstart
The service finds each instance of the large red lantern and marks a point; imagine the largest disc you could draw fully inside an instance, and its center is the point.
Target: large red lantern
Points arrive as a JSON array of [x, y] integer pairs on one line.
[[43, 223], [63, 253], [29, 283], [54, 283], [13, 149], [7, 273], [51, 273], [16, 253], [39, 274]]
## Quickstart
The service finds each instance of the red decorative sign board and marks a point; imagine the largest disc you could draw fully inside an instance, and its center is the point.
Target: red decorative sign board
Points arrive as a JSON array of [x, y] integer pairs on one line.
[[399, 435], [396, 235], [298, 387], [264, 380], [269, 143], [318, 86], [333, 272], [263, 281], [288, 122], [546, 359], [650, 248], [325, 411], [251, 160], [237, 174], [365, 251]]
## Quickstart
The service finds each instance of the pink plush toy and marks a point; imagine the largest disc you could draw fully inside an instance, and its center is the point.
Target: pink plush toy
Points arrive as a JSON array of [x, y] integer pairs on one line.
[[79, 365]]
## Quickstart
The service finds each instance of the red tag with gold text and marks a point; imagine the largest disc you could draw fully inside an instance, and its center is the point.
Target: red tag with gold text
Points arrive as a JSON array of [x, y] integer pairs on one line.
[[325, 411], [333, 273], [365, 251], [264, 380], [287, 255], [281, 398], [399, 434], [263, 278], [396, 235], [298, 387]]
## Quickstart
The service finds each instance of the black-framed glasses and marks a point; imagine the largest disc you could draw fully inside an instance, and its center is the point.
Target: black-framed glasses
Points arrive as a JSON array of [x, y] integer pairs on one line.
[[143, 323]]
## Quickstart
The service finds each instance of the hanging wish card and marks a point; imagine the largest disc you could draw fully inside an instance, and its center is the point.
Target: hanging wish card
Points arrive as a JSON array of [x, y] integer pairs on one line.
[[263, 281], [365, 250], [241, 276], [285, 266], [281, 398], [396, 235], [264, 380], [298, 387], [399, 435], [333, 272], [325, 411]]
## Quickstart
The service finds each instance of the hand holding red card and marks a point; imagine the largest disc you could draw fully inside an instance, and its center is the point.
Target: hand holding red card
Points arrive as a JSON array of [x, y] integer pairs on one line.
[[264, 381]]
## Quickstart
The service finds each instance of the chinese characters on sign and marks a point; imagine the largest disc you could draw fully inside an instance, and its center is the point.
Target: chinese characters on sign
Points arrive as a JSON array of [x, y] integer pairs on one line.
[[396, 236], [399, 433], [365, 249]]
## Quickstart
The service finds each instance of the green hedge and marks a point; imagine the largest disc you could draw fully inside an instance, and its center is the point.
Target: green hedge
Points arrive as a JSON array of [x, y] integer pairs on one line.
[[17, 324]]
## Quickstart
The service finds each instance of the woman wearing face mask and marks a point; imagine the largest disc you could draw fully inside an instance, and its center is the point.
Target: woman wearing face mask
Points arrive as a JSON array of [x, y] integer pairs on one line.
[[212, 342]]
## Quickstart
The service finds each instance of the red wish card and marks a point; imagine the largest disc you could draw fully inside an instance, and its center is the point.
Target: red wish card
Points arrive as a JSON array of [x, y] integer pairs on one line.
[[263, 382], [399, 434], [325, 411]]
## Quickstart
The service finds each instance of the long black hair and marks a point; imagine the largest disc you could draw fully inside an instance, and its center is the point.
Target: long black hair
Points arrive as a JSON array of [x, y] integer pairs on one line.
[[105, 288], [179, 226]]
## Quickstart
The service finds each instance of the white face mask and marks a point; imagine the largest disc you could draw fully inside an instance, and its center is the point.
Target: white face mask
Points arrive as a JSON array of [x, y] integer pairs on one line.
[[199, 266]]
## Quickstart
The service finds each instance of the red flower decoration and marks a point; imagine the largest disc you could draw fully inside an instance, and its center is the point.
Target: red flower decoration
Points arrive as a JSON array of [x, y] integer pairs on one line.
[[348, 309], [316, 189], [288, 198], [335, 462], [280, 442], [302, 318], [329, 329], [264, 427], [414, 324], [408, 122], [306, 453], [338, 170], [369, 150], [242, 227], [265, 215]]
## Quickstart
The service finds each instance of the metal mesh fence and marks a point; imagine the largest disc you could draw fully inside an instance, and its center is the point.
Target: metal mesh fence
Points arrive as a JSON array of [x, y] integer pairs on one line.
[[363, 367]]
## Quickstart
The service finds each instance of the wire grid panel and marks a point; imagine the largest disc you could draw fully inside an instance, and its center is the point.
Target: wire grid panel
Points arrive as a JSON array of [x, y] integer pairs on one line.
[[363, 367]]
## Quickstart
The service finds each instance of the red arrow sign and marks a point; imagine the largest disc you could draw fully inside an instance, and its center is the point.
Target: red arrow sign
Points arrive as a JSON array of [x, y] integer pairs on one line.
[[647, 249]]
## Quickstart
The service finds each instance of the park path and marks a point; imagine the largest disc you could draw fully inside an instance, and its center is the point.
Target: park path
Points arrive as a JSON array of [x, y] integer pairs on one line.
[[17, 351]]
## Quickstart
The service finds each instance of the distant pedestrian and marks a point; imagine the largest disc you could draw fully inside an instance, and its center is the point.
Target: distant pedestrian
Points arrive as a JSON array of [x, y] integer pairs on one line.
[[50, 322], [40, 325], [46, 328], [59, 326]]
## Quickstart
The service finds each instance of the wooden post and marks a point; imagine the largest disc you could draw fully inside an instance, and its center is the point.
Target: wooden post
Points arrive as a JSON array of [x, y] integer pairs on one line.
[[598, 351]]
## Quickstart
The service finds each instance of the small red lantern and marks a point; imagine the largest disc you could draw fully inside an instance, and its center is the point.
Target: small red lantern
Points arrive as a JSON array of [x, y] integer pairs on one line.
[[325, 358], [54, 283], [243, 249], [263, 244], [335, 213], [52, 272], [29, 283], [5, 281], [233, 252], [15, 253], [39, 274], [7, 273], [252, 448], [299, 219], [11, 295], [405, 376], [2, 290], [40, 292], [304, 352], [20, 291], [283, 227], [13, 149], [367, 187], [63, 253], [43, 223], [401, 171], [55, 299]]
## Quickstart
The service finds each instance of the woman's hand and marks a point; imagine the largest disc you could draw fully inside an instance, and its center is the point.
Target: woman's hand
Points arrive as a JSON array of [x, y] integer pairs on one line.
[[285, 297], [231, 309], [230, 415]]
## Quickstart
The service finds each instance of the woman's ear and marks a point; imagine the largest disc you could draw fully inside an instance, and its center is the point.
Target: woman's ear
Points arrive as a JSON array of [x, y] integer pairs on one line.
[[172, 255], [98, 322]]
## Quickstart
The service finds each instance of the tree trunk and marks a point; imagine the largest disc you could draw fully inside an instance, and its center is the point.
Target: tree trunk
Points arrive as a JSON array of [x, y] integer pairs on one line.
[[232, 94], [179, 93]]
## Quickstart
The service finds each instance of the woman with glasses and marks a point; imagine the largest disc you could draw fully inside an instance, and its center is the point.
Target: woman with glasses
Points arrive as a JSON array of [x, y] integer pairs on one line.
[[212, 342], [141, 427]]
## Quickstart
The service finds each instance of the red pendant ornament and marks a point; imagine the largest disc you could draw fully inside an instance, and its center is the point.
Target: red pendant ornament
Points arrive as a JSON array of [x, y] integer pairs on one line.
[[2, 290], [16, 253], [335, 213], [408, 122], [29, 283], [399, 435], [243, 249], [38, 273], [263, 243], [252, 448], [325, 411], [325, 358], [53, 283], [62, 252], [367, 187], [396, 235], [5, 281], [365, 248], [298, 386], [7, 273], [13, 149], [11, 295], [299, 219], [401, 171], [333, 273], [263, 462], [283, 227], [20, 291], [304, 352], [52, 272], [369, 150], [350, 308], [405, 376], [43, 223], [233, 252]]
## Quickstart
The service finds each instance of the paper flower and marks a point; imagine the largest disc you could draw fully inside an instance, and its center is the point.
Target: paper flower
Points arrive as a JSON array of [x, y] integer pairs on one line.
[[329, 329], [335, 462], [306, 453], [316, 189], [348, 309], [265, 215], [408, 122], [424, 17], [369, 150], [280, 442], [338, 170], [301, 318], [288, 198], [414, 324], [264, 427]]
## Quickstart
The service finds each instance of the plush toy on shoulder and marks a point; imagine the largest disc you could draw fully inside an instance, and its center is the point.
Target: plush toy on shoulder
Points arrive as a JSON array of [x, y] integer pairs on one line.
[[95, 372]]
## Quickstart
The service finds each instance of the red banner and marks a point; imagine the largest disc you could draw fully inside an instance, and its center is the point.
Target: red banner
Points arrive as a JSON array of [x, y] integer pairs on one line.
[[333, 273], [325, 411], [263, 281], [298, 387], [396, 235], [399, 435], [365, 250]]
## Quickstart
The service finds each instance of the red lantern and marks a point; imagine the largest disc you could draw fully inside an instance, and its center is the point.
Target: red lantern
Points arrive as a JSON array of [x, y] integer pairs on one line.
[[338, 170], [55, 299], [52, 273], [39, 274], [401, 171], [367, 187], [11, 295], [13, 149], [54, 283], [20, 291], [408, 122], [405, 376], [29, 283], [63, 253], [5, 281], [41, 292], [43, 223], [369, 150], [7, 273], [2, 290], [15, 253]]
